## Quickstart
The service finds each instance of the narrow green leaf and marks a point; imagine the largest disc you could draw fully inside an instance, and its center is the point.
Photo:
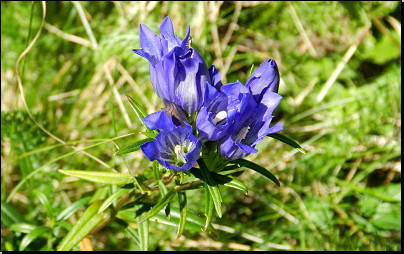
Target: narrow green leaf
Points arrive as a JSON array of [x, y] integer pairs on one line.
[[159, 206], [45, 202], [221, 179], [257, 168], [9, 215], [163, 191], [100, 194], [89, 218], [194, 222], [66, 213], [31, 236], [182, 201], [143, 228], [208, 207], [22, 227], [140, 112], [162, 187], [212, 187], [132, 147], [287, 141], [149, 134], [132, 232], [100, 177], [120, 192]]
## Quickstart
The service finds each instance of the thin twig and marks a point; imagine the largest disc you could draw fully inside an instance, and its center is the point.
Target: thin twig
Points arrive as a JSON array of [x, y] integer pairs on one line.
[[232, 26], [68, 37], [300, 28], [85, 23], [345, 59], [118, 97]]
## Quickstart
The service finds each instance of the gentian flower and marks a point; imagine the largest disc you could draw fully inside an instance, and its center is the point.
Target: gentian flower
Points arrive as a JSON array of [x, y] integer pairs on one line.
[[178, 73], [174, 147], [264, 79], [251, 122], [216, 115]]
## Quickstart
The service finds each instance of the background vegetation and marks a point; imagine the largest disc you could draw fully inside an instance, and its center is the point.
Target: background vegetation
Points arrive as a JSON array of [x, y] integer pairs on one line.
[[340, 66]]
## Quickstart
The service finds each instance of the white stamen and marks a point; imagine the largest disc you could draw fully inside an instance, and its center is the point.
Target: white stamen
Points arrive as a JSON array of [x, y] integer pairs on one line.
[[219, 117], [190, 146], [180, 154], [242, 134], [178, 149]]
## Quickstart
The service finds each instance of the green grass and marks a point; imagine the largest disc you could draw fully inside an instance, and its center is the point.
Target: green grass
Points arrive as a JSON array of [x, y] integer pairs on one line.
[[344, 193]]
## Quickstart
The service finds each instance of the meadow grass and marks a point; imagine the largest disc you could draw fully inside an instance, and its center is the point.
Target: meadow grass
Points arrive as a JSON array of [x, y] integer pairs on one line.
[[340, 68]]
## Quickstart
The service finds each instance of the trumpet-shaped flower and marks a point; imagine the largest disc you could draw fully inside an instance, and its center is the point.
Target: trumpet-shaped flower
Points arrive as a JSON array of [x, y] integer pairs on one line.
[[178, 73], [264, 79], [251, 122], [216, 115], [174, 147]]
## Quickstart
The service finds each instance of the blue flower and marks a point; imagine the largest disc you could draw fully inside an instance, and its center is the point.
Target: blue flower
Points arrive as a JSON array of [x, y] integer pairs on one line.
[[216, 115], [264, 79], [174, 147], [251, 122], [178, 73]]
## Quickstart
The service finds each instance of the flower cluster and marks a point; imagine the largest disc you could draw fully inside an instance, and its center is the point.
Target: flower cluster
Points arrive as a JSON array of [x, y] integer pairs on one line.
[[201, 115]]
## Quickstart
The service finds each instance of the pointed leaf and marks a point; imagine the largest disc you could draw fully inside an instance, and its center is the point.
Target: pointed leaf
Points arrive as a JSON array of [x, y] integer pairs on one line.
[[287, 141], [212, 187], [22, 227], [257, 168], [143, 229], [87, 222], [182, 201], [45, 202], [31, 236], [140, 112], [100, 177], [66, 213], [133, 147], [221, 179], [9, 215], [149, 134], [208, 207], [117, 194], [159, 206]]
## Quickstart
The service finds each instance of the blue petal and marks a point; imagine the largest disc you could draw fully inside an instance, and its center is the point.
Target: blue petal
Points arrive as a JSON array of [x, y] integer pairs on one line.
[[175, 112], [159, 120], [167, 32], [264, 79], [184, 42], [215, 77], [150, 150], [234, 90], [150, 43]]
